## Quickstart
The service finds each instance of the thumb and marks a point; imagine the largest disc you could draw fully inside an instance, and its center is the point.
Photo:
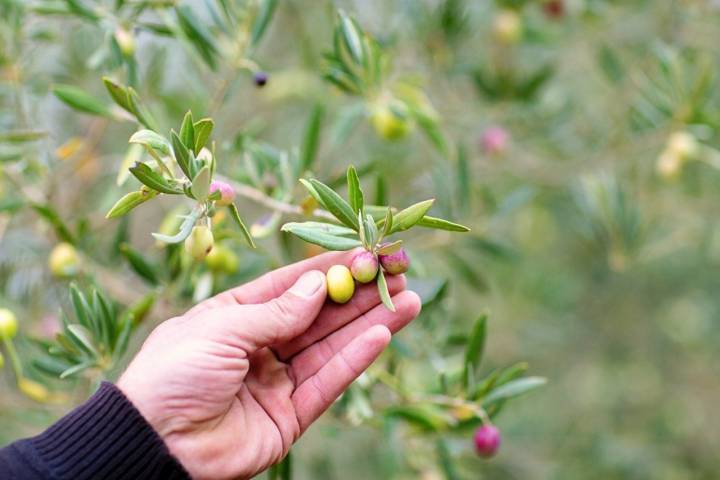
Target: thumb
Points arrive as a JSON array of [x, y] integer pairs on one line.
[[282, 318]]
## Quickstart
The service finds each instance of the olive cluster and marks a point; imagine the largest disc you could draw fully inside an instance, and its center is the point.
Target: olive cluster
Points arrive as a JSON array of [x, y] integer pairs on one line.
[[364, 268]]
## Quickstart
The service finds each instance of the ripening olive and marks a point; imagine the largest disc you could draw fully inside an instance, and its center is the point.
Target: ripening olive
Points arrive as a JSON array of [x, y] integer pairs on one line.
[[340, 284]]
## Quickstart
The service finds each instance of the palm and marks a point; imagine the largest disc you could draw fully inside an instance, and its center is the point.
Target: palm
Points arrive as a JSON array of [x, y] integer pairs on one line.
[[239, 397]]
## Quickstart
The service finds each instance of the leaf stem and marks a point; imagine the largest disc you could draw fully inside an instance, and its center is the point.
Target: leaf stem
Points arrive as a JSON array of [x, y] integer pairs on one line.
[[14, 359], [261, 198]]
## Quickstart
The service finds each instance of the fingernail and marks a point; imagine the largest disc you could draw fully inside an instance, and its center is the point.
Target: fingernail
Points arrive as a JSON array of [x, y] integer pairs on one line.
[[308, 284]]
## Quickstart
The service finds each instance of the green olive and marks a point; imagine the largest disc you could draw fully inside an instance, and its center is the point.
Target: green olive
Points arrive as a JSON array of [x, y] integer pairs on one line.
[[8, 324], [199, 243], [64, 260], [222, 259], [340, 284], [388, 123]]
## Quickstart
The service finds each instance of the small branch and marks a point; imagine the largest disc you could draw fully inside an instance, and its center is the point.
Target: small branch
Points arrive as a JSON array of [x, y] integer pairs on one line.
[[259, 197]]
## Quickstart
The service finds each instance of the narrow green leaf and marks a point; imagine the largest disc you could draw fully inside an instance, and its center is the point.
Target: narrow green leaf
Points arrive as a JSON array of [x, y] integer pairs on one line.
[[153, 179], [427, 417], [123, 337], [319, 237], [335, 204], [370, 229], [150, 139], [381, 197], [187, 131], [329, 228], [182, 156], [408, 217], [80, 100], [80, 306], [21, 136], [75, 369], [513, 389], [198, 35], [246, 233], [387, 226], [463, 176], [313, 193], [311, 138], [50, 366], [446, 461], [512, 372], [351, 37], [140, 309], [139, 264], [138, 109], [384, 292], [440, 224], [84, 336], [267, 8], [390, 248], [201, 184], [475, 347], [82, 10], [119, 94], [68, 342], [128, 202], [203, 128], [355, 194], [53, 218], [105, 314]]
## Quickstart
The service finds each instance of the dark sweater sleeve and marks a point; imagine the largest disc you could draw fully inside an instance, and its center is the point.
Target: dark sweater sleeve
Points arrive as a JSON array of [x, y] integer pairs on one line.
[[104, 438]]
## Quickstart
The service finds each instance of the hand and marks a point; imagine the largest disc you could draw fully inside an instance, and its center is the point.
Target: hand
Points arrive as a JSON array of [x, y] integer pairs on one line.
[[235, 381]]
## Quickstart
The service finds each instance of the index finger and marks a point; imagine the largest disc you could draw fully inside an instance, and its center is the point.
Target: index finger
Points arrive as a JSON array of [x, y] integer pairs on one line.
[[274, 283]]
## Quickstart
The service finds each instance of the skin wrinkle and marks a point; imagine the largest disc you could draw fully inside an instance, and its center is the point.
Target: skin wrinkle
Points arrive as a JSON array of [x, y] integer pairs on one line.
[[255, 379]]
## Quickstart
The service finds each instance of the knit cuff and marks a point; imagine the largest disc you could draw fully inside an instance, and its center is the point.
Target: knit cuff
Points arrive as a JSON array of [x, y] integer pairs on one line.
[[106, 438]]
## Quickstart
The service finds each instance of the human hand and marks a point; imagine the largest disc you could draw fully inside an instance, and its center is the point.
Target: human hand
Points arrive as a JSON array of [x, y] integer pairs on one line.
[[234, 382]]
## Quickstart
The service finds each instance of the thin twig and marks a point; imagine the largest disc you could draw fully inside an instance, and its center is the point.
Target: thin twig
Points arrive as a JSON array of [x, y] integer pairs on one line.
[[259, 197]]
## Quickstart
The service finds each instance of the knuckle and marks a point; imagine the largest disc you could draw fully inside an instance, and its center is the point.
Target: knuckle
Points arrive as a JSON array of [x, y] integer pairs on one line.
[[282, 310]]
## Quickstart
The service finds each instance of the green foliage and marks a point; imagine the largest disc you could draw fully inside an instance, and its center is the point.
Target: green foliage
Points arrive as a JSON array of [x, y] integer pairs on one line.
[[590, 238]]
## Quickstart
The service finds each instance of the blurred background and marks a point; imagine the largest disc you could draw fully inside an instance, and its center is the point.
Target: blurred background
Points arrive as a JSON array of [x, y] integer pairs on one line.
[[577, 138]]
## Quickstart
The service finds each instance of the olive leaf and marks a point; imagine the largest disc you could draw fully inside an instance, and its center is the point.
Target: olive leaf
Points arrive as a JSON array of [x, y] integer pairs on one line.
[[150, 139], [187, 132], [128, 202], [335, 204], [21, 136], [236, 216], [139, 110], [355, 193], [390, 248], [311, 139], [80, 100], [352, 37], [321, 236], [407, 218], [384, 292], [153, 179], [182, 156], [475, 347], [440, 224], [313, 193], [267, 8], [202, 128], [513, 389], [201, 184], [119, 94]]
